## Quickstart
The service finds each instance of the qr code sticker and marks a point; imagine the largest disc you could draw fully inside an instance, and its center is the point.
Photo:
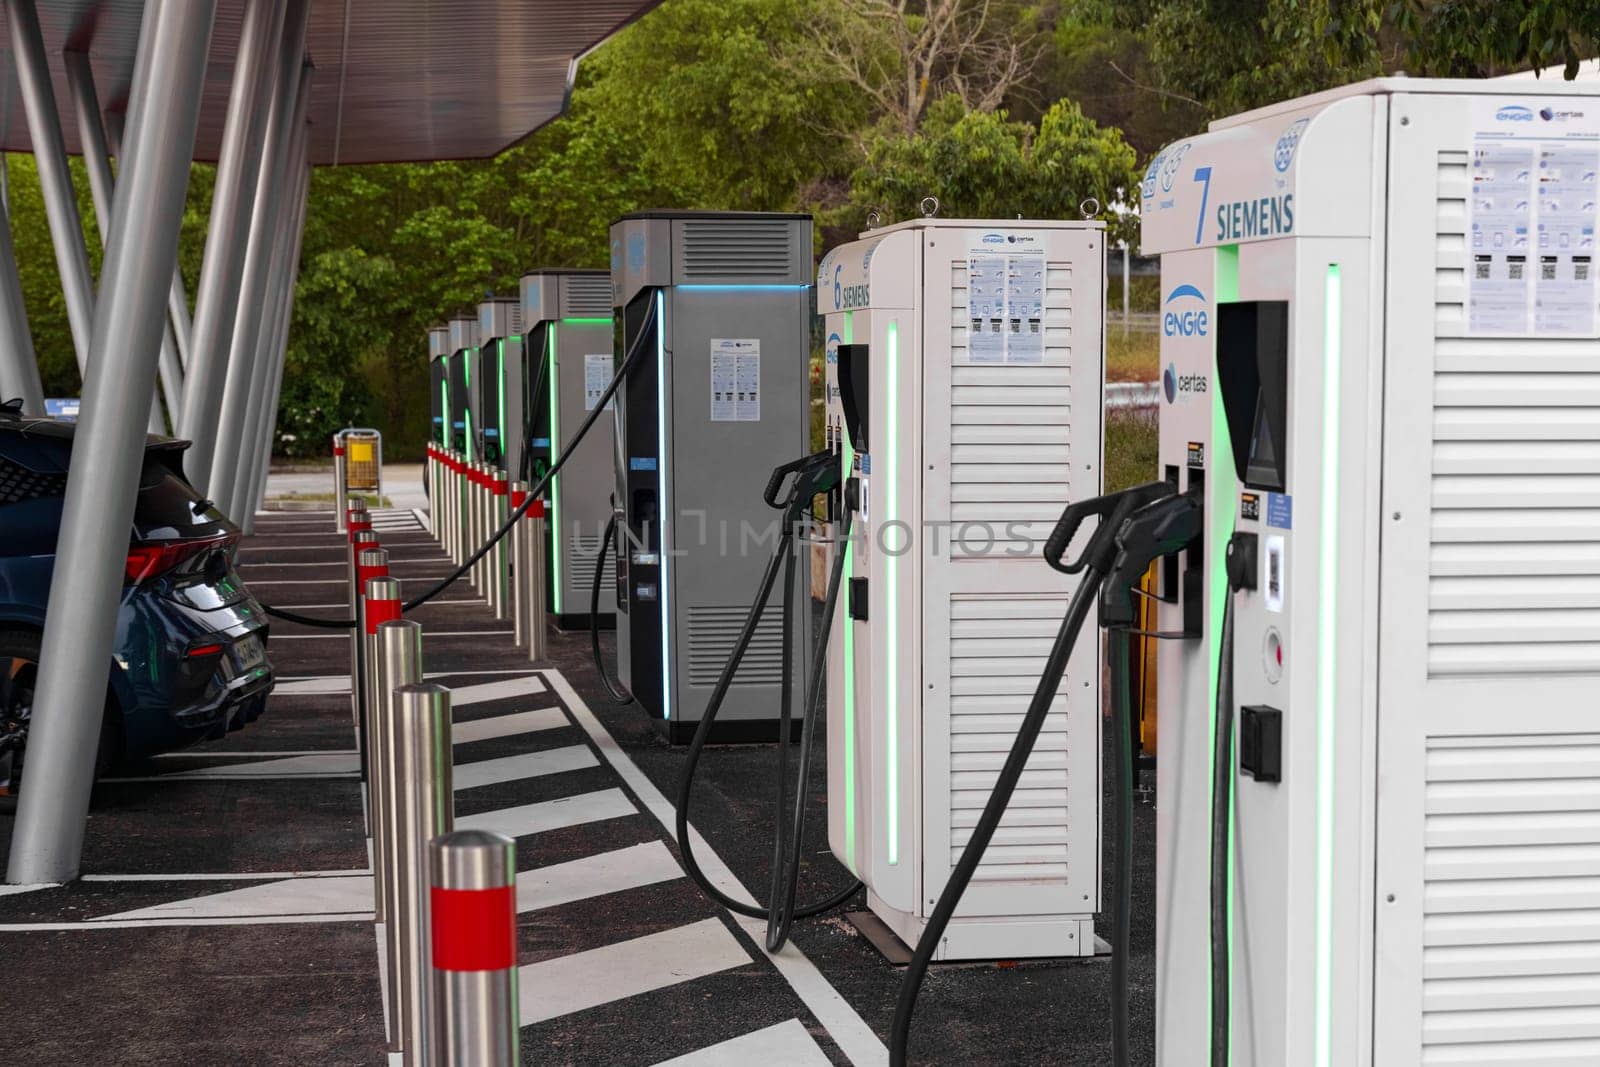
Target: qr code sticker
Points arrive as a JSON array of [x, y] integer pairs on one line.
[[1514, 270], [1481, 270], [1580, 270], [1547, 270]]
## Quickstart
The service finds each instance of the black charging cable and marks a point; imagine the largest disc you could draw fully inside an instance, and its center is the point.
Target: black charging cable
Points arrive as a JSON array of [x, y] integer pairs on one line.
[[535, 492], [1102, 559], [809, 477]]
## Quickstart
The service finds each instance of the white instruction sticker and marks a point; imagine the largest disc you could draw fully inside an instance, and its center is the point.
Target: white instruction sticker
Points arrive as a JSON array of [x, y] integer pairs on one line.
[[1532, 210], [596, 376], [735, 379], [1005, 299]]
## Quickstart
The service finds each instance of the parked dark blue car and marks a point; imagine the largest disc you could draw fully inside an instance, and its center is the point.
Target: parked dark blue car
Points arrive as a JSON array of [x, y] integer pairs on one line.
[[189, 662]]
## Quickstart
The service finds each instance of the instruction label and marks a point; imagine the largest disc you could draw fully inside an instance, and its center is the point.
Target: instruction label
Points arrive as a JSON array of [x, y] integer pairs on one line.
[[1005, 299], [1532, 211], [596, 376], [735, 379]]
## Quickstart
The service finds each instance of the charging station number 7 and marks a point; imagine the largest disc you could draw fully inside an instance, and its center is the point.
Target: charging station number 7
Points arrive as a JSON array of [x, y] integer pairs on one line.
[[1203, 176]]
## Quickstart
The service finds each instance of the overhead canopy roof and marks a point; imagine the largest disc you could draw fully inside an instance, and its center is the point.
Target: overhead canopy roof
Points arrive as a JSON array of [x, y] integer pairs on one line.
[[396, 80]]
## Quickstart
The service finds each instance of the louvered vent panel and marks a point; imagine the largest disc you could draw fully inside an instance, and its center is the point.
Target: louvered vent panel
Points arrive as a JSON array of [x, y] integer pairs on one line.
[[582, 550], [998, 646], [748, 250], [1511, 900], [1010, 466], [516, 319], [17, 484], [713, 630], [587, 295], [1514, 560]]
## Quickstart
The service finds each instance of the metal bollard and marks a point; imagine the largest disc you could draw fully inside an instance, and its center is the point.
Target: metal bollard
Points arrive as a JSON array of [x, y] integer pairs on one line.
[[380, 596], [473, 503], [338, 485], [480, 570], [517, 570], [425, 810], [371, 562], [499, 485], [473, 915], [461, 501], [538, 574], [360, 536], [399, 644]]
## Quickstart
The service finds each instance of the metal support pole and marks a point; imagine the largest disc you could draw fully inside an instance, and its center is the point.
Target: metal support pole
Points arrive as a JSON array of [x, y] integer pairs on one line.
[[426, 810], [272, 350], [97, 161], [85, 594], [400, 664], [55, 179], [1124, 290], [476, 1012], [178, 325], [371, 562], [267, 225], [271, 38], [19, 368], [517, 572], [361, 537]]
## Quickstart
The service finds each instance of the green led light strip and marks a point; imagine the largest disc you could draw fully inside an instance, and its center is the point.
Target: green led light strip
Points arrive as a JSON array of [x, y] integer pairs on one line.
[[891, 590], [555, 482], [1327, 649], [588, 320], [500, 385], [849, 459], [1220, 508]]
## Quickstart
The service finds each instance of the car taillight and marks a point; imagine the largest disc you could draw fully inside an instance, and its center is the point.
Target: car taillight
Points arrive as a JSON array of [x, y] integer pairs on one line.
[[153, 560]]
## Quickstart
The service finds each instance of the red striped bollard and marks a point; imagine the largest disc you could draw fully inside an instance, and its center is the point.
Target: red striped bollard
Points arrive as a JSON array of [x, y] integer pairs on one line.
[[339, 515], [371, 562], [500, 490], [473, 914], [359, 540]]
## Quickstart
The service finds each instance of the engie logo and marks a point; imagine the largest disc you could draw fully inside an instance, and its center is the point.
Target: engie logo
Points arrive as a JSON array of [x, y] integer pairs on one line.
[[1178, 387], [1186, 321], [994, 239], [1514, 113]]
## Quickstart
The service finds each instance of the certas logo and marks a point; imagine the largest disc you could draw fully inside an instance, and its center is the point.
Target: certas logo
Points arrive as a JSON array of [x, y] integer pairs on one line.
[[1178, 387], [1550, 114], [1185, 319], [1514, 113]]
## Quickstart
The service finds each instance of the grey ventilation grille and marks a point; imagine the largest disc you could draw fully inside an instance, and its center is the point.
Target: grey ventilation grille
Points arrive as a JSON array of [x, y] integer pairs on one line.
[[582, 551], [713, 631], [516, 320], [738, 250], [588, 295]]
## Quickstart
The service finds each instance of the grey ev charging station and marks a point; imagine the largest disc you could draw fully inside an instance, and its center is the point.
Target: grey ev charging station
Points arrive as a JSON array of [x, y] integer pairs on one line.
[[567, 318], [721, 302]]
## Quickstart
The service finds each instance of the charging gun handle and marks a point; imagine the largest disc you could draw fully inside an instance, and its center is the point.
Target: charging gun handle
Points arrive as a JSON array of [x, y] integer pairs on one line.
[[1110, 509]]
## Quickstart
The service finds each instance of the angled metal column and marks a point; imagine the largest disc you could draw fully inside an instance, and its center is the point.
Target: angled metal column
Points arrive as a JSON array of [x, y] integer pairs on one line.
[[19, 370], [97, 161], [47, 842], [257, 448], [94, 135], [266, 219], [178, 298], [55, 179], [265, 37]]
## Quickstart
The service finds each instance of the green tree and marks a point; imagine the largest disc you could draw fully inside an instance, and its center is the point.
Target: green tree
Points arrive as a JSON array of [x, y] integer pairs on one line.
[[983, 164]]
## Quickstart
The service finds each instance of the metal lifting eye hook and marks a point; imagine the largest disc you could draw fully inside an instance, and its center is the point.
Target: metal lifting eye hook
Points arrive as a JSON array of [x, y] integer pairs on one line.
[[874, 220], [930, 207], [1090, 207]]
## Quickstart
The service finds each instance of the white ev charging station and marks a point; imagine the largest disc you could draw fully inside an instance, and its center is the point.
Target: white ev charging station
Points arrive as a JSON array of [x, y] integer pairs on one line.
[[438, 383], [1381, 368], [965, 367], [570, 363]]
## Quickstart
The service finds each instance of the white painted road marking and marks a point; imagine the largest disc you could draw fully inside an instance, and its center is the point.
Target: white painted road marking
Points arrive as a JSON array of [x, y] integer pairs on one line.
[[522, 722], [593, 876], [320, 765], [787, 1044], [849, 1031], [527, 765], [551, 814], [483, 691], [349, 896], [582, 980]]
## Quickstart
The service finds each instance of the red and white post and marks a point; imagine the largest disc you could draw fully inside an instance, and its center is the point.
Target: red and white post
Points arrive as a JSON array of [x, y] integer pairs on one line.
[[473, 914]]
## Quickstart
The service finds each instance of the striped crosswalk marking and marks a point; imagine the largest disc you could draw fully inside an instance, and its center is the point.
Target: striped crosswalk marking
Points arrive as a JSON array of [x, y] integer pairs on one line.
[[522, 722], [787, 1043], [551, 814], [560, 986], [593, 876], [527, 765]]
